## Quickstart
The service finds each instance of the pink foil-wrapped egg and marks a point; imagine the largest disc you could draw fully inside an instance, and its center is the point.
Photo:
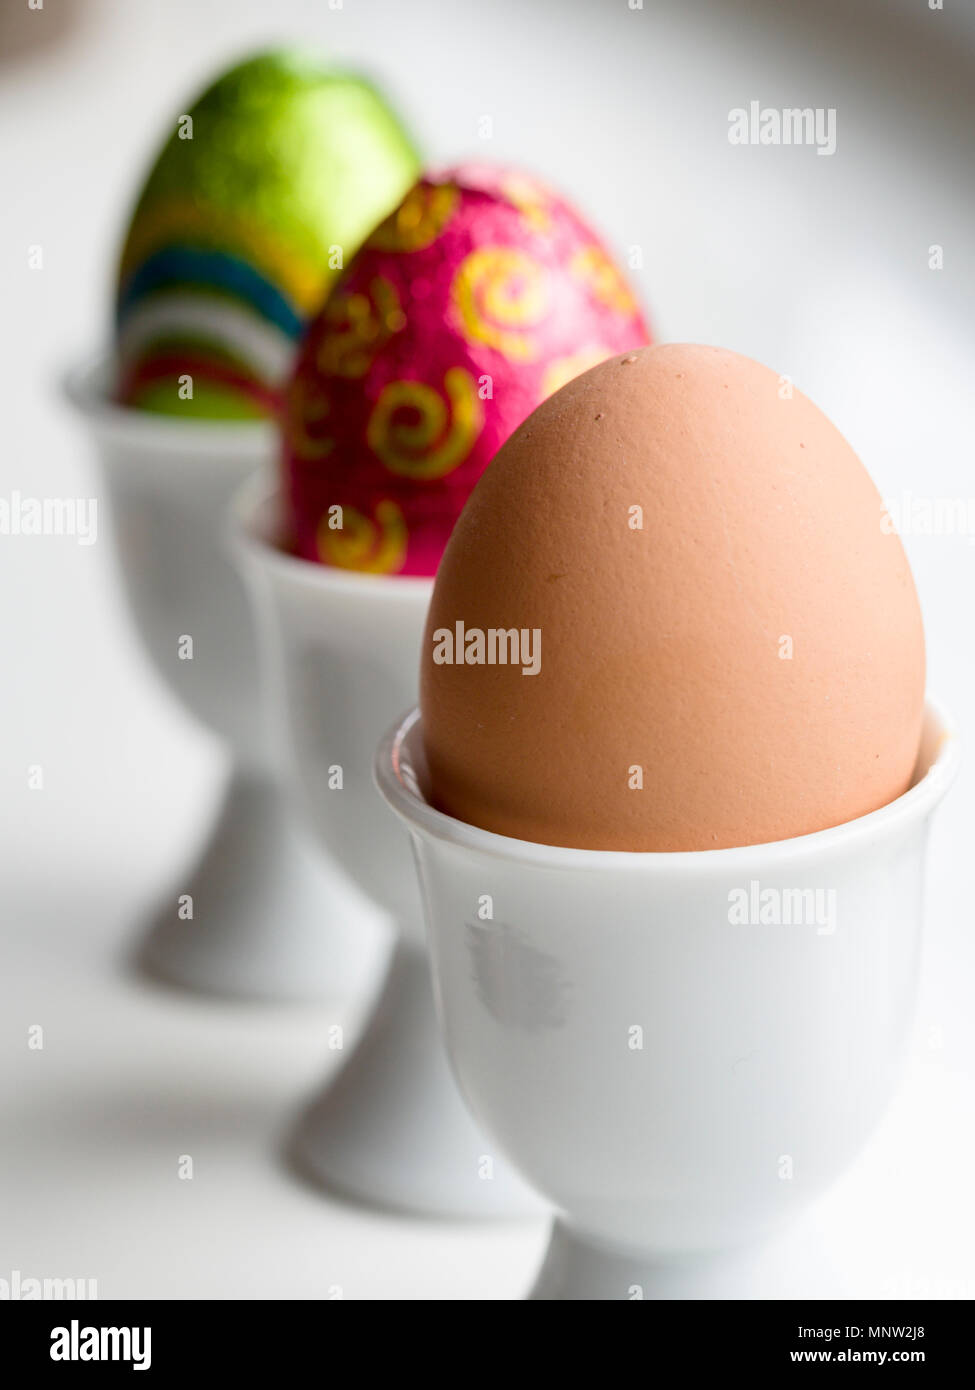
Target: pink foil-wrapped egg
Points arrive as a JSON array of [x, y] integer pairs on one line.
[[479, 296]]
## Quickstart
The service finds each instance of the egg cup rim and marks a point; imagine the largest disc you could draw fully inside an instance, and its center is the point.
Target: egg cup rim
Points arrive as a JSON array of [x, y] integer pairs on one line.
[[240, 443], [396, 780]]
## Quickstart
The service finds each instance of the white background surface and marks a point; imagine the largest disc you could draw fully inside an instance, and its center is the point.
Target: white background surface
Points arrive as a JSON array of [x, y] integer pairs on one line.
[[818, 266]]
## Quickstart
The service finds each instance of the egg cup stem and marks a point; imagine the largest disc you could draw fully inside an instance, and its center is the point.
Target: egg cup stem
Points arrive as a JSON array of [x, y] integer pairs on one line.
[[392, 1128], [577, 1268], [261, 925], [342, 651], [259, 916]]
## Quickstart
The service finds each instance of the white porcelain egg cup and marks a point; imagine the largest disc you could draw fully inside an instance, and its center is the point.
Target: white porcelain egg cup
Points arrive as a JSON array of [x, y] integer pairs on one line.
[[343, 653], [270, 920], [678, 1081]]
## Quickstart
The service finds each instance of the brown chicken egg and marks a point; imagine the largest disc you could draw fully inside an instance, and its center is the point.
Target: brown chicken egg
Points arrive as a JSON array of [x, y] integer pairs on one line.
[[672, 616]]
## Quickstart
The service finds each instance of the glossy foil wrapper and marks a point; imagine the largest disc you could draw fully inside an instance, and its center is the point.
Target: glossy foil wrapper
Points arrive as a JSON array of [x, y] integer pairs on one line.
[[263, 190], [477, 298]]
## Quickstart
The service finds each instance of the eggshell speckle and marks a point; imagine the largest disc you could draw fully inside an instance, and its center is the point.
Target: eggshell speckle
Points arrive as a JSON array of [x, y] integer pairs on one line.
[[731, 643]]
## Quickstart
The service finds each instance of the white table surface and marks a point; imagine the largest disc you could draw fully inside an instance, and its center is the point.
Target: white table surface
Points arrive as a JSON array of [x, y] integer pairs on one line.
[[817, 266]]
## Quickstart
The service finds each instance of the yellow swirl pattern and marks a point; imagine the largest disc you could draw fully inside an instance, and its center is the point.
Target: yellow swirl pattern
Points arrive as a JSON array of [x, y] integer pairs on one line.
[[594, 268], [306, 410], [416, 433], [359, 326], [531, 201], [419, 219], [499, 293], [371, 546]]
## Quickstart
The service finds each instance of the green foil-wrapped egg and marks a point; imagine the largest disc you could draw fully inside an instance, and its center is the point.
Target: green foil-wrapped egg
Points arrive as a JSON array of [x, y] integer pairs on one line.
[[265, 189]]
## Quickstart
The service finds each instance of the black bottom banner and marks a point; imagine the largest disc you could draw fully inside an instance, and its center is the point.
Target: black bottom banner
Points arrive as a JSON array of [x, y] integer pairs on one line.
[[169, 1339]]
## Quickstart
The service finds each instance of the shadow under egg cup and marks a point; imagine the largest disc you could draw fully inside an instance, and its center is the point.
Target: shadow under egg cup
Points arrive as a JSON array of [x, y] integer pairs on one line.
[[342, 654], [679, 1050], [270, 920]]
